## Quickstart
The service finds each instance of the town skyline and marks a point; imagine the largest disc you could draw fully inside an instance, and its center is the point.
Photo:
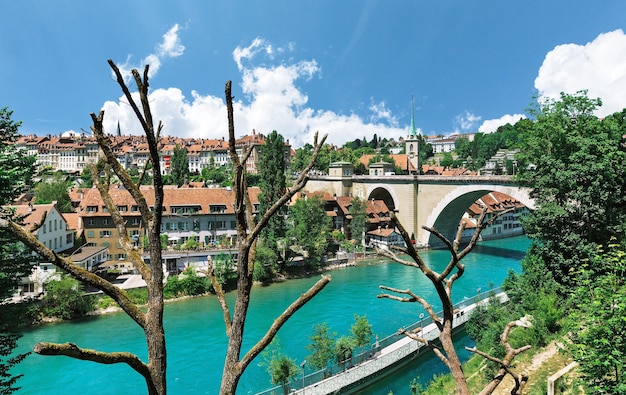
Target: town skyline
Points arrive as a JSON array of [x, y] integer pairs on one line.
[[349, 69]]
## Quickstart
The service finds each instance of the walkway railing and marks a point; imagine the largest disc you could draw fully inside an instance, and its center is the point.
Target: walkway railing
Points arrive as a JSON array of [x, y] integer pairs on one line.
[[368, 352]]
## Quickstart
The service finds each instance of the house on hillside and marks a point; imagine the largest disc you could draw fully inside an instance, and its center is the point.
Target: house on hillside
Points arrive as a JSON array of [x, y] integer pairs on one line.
[[507, 225], [48, 225]]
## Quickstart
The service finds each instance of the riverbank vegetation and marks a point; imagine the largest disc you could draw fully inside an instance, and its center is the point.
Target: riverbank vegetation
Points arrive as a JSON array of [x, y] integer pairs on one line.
[[572, 279]]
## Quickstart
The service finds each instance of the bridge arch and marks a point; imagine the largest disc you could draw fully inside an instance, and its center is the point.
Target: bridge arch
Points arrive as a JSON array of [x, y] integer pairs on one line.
[[385, 194], [447, 214]]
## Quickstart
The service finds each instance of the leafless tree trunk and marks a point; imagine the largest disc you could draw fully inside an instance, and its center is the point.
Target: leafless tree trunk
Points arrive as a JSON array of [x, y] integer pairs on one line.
[[152, 320], [443, 283], [248, 229]]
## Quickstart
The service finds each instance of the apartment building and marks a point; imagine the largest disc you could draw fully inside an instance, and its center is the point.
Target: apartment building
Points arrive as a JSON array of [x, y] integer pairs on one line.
[[506, 226], [48, 225], [205, 215]]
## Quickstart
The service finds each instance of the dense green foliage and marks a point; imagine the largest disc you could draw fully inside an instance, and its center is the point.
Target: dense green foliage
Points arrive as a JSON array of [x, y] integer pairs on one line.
[[310, 227], [575, 165], [358, 223], [15, 262], [475, 153], [361, 331], [65, 299], [180, 166], [322, 346], [273, 186], [598, 324], [187, 283], [55, 189], [280, 367], [265, 264]]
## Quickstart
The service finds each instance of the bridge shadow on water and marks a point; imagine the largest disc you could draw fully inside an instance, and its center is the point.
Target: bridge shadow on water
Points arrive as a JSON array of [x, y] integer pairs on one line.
[[497, 251]]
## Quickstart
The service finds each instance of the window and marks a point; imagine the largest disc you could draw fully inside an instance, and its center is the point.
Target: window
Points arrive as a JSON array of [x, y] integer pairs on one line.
[[90, 234], [171, 226], [68, 238], [105, 233], [91, 221], [44, 228], [196, 225], [220, 224], [136, 221], [105, 209], [134, 208], [55, 224], [217, 208], [122, 209], [120, 257], [183, 225], [211, 225], [233, 224], [105, 221], [92, 209]]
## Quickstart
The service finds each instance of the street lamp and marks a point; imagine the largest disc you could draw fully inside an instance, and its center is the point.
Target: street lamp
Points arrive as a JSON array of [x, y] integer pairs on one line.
[[302, 365]]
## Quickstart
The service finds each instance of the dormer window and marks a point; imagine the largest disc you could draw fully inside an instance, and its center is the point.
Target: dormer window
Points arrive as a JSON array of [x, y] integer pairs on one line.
[[92, 209]]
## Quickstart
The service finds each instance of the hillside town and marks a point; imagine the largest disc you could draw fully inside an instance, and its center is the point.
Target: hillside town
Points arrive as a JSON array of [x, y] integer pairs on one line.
[[198, 218]]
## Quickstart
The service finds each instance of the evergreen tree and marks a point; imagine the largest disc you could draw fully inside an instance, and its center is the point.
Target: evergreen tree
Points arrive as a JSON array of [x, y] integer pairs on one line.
[[358, 223], [15, 261], [273, 186], [180, 166]]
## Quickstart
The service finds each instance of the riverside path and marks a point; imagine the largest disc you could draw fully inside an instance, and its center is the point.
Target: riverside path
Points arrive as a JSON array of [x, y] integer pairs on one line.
[[382, 357]]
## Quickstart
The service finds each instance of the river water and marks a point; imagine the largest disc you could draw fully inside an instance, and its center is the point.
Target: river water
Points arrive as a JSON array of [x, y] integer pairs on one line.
[[196, 340]]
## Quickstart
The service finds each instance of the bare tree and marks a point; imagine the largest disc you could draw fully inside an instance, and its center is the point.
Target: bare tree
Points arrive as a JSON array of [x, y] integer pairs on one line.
[[248, 229], [152, 320], [443, 283]]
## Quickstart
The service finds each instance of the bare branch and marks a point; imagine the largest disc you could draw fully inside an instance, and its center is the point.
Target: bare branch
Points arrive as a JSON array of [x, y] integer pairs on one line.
[[282, 319], [108, 358], [511, 353], [219, 292], [413, 298], [76, 271], [424, 341]]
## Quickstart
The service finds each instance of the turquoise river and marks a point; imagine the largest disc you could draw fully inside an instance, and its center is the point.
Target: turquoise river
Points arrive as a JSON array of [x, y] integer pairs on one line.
[[196, 341]]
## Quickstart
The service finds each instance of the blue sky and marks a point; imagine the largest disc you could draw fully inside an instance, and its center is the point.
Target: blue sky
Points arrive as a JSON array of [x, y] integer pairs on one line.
[[346, 68]]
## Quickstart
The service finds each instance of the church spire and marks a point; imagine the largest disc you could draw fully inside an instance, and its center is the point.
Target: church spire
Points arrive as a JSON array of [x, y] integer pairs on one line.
[[413, 133]]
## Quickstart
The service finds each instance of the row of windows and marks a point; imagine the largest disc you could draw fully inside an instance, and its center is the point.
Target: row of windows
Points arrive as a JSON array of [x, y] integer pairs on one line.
[[213, 208], [48, 227], [198, 225]]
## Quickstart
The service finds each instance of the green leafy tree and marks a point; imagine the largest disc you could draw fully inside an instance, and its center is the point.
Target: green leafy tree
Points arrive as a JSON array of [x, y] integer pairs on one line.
[[15, 260], [273, 185], [65, 299], [180, 166], [311, 226], [446, 160], [343, 350], [577, 177], [322, 346], [55, 189], [265, 264], [361, 331], [599, 324], [358, 223], [280, 367]]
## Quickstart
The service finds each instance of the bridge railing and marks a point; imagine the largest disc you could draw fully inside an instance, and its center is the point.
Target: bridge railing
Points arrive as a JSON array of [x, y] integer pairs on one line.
[[370, 351]]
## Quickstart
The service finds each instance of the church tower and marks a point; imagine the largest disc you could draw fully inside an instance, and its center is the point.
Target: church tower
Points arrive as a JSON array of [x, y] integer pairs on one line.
[[412, 145]]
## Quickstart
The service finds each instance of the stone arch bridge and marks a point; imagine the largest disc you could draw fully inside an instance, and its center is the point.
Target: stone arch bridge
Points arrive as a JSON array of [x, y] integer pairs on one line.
[[418, 200]]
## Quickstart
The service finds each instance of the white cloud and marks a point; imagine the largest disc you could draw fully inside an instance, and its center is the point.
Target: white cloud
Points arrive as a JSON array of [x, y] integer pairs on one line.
[[273, 101], [170, 47], [598, 66], [491, 125], [466, 122]]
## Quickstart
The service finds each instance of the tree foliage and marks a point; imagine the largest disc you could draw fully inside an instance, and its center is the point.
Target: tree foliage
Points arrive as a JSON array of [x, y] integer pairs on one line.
[[273, 185], [598, 325], [180, 166], [574, 166], [280, 367], [361, 331], [322, 346], [65, 299], [310, 226], [15, 260], [55, 189], [358, 222]]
